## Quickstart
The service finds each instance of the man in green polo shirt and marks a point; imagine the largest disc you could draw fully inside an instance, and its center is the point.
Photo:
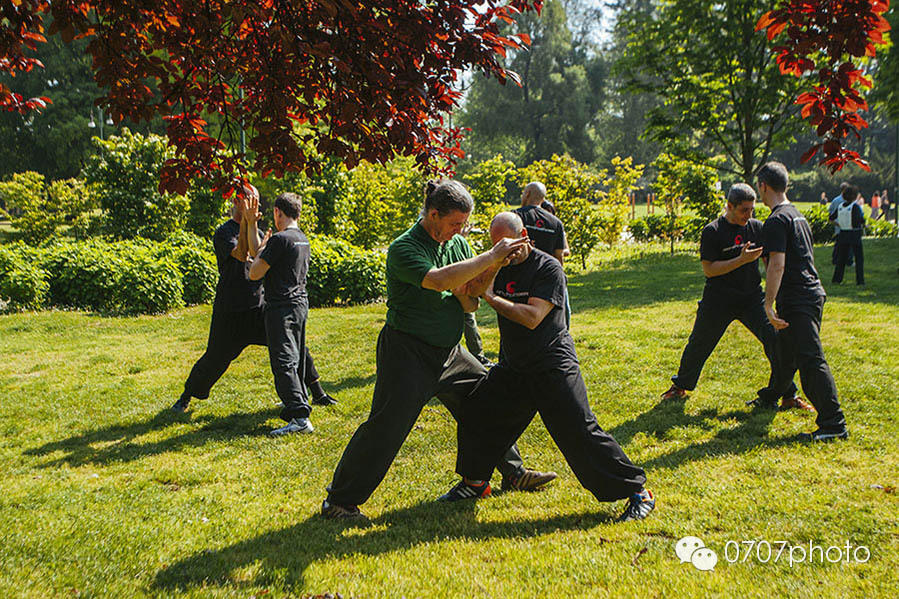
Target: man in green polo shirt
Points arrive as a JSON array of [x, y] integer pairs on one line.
[[429, 268]]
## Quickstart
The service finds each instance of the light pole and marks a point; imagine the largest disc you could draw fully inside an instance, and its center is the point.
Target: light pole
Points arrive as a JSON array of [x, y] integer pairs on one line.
[[94, 124]]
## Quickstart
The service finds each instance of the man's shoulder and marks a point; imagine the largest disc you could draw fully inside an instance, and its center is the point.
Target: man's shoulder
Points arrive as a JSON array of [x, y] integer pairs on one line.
[[227, 228], [546, 262]]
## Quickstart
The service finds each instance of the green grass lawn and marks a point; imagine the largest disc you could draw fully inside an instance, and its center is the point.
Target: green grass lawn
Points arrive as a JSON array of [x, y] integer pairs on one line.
[[105, 494]]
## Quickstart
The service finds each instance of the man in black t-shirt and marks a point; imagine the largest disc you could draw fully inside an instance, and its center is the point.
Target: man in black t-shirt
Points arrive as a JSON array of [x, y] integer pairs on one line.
[[538, 372], [793, 283], [236, 311], [545, 230], [729, 250], [283, 262]]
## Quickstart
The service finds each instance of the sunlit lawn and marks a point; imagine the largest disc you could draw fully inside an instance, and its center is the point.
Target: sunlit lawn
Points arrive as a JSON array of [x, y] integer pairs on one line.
[[105, 494]]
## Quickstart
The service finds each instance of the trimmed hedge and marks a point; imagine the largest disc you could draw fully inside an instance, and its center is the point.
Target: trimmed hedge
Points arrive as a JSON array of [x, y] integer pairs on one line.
[[146, 277]]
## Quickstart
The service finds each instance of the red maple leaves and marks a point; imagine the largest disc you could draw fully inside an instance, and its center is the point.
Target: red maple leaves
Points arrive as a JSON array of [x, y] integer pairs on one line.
[[823, 39], [356, 79]]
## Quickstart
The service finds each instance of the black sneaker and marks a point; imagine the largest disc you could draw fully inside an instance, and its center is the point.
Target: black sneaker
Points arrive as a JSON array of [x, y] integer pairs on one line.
[[825, 435], [762, 404], [463, 490], [334, 511], [529, 480], [324, 400], [638, 506], [181, 405]]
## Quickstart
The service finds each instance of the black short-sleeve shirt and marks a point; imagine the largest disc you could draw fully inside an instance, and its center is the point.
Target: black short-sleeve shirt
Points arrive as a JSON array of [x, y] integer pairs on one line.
[[540, 275], [544, 229], [721, 240], [787, 231], [287, 254], [234, 292]]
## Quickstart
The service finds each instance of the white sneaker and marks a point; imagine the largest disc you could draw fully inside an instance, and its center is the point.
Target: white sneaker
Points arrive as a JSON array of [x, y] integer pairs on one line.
[[296, 425]]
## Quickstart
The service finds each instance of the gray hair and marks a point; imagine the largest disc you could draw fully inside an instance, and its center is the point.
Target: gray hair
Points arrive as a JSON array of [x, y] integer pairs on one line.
[[447, 196], [739, 193]]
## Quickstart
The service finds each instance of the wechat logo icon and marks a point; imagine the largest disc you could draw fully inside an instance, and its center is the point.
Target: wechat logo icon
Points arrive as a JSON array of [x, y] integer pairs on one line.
[[694, 551]]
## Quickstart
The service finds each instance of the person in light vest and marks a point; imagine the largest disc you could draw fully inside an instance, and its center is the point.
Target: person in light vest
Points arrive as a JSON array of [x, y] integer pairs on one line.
[[851, 220]]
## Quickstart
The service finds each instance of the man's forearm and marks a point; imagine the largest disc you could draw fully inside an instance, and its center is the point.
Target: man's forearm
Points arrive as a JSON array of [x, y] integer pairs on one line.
[[240, 252], [721, 267], [773, 276], [252, 237], [457, 274], [523, 314]]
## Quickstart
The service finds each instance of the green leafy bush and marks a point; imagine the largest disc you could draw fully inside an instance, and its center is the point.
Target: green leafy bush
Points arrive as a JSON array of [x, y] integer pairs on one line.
[[819, 220], [82, 275], [881, 228], [341, 272], [23, 286], [149, 284], [124, 174]]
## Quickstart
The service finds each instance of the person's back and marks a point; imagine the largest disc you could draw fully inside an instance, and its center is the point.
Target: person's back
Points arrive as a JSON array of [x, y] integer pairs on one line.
[[287, 254], [544, 229], [787, 231]]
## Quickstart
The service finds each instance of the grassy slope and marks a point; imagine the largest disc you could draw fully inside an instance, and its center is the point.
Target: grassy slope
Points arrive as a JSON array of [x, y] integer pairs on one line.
[[105, 497]]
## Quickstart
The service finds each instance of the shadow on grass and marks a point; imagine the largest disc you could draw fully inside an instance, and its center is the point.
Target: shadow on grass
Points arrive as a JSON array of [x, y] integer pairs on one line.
[[631, 283], [750, 432], [117, 442], [290, 551], [350, 382]]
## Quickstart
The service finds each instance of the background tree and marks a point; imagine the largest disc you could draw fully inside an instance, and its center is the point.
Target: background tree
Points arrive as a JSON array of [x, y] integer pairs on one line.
[[553, 111], [721, 91], [357, 80], [613, 206]]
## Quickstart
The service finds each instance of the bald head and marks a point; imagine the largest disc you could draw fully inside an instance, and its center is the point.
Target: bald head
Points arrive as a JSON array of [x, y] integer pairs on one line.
[[505, 224], [533, 193]]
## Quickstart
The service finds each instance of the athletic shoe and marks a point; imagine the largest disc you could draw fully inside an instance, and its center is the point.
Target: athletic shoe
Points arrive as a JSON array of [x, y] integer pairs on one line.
[[638, 506], [795, 403], [762, 404], [529, 480], [463, 490], [181, 405], [324, 400], [296, 425], [825, 434], [334, 511], [674, 392]]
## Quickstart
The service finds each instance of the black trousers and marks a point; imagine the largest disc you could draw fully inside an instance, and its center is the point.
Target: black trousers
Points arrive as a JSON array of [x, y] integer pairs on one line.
[[849, 243], [229, 334], [712, 318], [833, 255], [410, 373], [799, 347], [504, 404], [285, 328]]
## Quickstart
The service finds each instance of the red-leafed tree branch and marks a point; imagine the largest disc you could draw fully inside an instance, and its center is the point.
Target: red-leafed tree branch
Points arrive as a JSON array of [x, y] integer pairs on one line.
[[825, 40], [305, 78]]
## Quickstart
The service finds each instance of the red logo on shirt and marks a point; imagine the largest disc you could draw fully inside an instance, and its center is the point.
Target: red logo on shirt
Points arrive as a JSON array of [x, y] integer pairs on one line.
[[539, 222], [738, 240], [510, 287]]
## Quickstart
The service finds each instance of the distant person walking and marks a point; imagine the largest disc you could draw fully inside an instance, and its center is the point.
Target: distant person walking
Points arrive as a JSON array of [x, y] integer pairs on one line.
[[875, 205], [834, 204]]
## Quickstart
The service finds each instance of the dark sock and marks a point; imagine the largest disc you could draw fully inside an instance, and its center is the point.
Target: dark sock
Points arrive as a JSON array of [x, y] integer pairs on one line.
[[317, 390]]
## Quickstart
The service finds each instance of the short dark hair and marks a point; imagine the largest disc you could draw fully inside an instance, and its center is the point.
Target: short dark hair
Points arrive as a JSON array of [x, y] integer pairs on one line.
[[739, 193], [843, 186], [774, 175], [850, 194], [446, 196], [289, 204]]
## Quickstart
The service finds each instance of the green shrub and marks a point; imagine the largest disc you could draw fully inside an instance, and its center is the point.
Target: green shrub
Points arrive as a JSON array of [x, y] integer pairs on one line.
[[881, 228], [639, 229], [691, 227], [199, 275], [149, 284], [819, 220], [23, 285], [341, 272], [761, 212], [82, 275]]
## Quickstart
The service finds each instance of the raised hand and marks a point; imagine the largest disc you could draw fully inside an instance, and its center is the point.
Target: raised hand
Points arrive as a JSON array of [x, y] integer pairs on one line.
[[748, 253], [503, 250]]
